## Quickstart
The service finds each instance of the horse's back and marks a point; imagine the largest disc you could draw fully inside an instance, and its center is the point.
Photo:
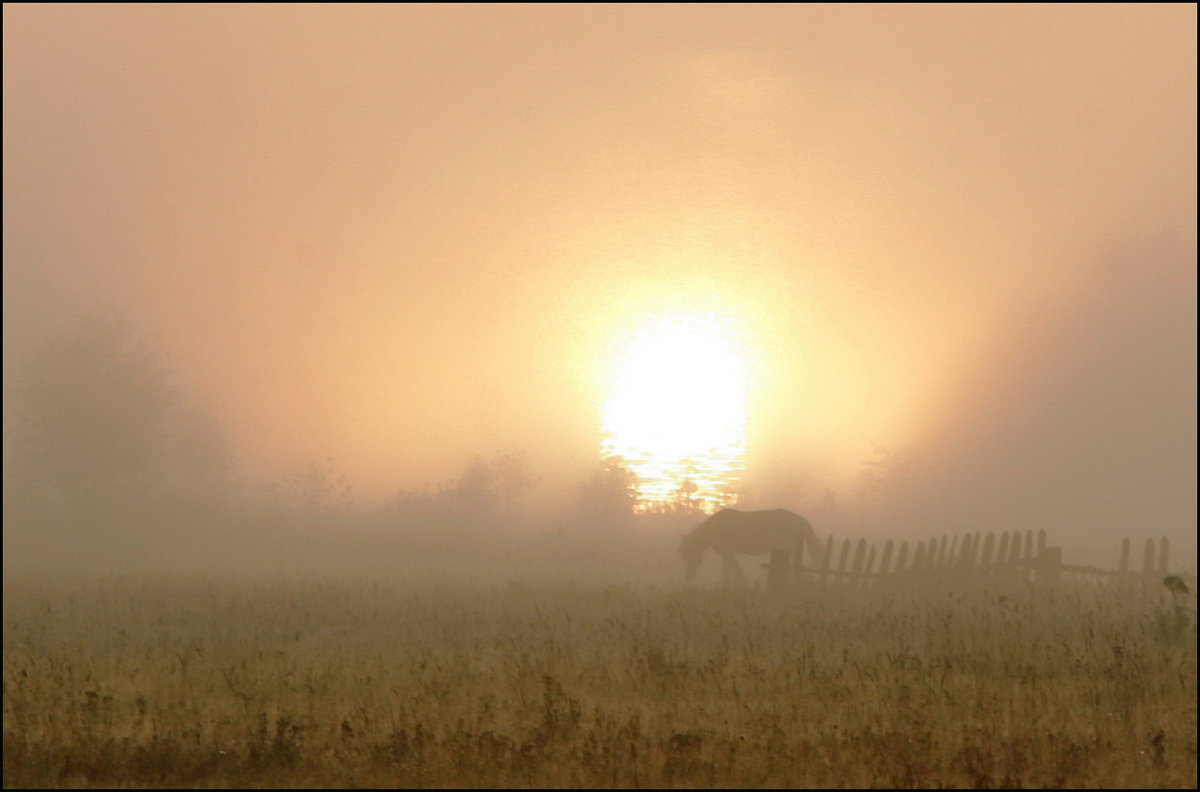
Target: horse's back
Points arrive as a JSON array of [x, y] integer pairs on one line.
[[759, 532], [782, 521]]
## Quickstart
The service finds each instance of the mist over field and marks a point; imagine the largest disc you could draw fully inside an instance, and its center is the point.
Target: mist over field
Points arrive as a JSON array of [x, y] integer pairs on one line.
[[316, 288], [599, 396]]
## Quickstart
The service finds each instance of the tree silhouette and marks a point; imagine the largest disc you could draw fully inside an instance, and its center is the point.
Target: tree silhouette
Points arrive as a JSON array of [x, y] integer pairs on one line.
[[93, 426], [610, 493], [318, 489], [487, 489], [88, 411]]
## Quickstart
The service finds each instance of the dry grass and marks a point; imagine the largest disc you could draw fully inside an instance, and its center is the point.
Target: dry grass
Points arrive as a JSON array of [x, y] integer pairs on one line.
[[140, 683]]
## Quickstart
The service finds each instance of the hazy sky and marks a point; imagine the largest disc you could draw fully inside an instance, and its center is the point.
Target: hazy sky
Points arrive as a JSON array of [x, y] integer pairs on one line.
[[398, 236]]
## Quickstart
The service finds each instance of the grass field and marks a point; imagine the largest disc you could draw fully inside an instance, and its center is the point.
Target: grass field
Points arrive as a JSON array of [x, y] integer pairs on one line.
[[137, 682]]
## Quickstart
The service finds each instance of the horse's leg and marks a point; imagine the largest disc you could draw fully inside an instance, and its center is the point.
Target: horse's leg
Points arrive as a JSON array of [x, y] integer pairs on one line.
[[737, 569], [731, 571]]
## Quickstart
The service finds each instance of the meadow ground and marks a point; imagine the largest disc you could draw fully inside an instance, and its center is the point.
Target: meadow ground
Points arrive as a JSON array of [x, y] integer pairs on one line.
[[139, 682]]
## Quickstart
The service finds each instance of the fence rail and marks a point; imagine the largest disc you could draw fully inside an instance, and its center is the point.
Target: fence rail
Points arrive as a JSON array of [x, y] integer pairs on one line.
[[1015, 558]]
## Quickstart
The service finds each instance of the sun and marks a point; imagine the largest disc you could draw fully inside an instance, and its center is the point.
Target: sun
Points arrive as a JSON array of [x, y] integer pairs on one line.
[[676, 408]]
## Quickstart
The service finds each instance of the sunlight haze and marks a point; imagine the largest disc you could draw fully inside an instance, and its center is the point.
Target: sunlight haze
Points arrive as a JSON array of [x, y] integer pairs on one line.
[[903, 266]]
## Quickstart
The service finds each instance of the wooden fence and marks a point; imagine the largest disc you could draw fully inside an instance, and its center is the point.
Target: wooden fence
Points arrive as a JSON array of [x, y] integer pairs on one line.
[[1014, 559]]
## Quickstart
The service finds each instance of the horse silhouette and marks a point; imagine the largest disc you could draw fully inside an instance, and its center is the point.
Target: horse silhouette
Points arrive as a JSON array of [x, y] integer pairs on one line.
[[731, 533]]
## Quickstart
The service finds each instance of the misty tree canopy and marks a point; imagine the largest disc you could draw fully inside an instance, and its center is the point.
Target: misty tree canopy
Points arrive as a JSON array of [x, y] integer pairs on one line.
[[488, 489], [610, 494], [91, 420]]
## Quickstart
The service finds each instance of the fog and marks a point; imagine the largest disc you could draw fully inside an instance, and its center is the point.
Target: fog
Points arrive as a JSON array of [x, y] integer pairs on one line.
[[334, 289]]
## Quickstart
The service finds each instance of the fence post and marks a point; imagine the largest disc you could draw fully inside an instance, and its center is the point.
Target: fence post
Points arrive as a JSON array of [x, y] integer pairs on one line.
[[1000, 571], [860, 553], [1027, 559], [841, 570], [1049, 570], [887, 558], [866, 578], [1012, 571], [963, 564], [828, 558], [964, 551], [1014, 550]]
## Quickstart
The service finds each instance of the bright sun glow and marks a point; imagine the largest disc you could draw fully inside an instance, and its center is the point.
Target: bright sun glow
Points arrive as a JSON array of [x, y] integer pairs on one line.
[[676, 409]]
